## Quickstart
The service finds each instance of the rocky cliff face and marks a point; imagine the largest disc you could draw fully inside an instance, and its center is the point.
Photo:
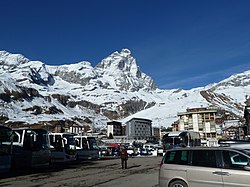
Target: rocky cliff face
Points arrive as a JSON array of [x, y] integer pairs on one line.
[[81, 73]]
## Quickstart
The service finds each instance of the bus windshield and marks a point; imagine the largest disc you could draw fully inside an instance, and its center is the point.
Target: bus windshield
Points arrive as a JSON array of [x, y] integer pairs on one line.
[[5, 141], [92, 143], [69, 141], [32, 144], [173, 140], [42, 139], [181, 139]]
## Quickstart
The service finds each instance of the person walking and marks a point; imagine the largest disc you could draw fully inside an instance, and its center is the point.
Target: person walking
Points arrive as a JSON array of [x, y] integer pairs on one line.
[[124, 158]]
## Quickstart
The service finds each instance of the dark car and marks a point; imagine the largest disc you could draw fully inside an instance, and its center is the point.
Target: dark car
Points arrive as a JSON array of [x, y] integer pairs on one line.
[[104, 151], [115, 151], [144, 151]]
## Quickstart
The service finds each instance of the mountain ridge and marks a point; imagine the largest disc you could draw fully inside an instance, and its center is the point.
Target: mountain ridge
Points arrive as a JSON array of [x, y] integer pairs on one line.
[[115, 89]]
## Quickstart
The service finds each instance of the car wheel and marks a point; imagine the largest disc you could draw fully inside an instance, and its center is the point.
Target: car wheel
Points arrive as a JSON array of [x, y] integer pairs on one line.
[[178, 183]]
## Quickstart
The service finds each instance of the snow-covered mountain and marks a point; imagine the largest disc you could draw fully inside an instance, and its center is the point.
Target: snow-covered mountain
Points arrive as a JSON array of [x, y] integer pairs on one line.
[[33, 92]]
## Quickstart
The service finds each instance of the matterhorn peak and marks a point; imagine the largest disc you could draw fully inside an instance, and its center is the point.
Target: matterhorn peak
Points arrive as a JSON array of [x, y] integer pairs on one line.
[[125, 52], [122, 68], [118, 61]]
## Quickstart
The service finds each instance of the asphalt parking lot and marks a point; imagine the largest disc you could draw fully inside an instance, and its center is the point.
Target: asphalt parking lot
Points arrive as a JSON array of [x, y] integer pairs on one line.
[[142, 171]]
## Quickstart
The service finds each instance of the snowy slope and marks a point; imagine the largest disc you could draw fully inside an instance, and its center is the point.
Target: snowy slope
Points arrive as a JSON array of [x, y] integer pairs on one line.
[[164, 113], [31, 91]]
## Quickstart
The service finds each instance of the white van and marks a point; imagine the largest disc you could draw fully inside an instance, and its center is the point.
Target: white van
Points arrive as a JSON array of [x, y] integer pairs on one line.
[[205, 167]]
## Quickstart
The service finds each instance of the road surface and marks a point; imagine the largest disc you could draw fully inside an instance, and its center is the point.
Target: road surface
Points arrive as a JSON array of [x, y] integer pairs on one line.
[[107, 172]]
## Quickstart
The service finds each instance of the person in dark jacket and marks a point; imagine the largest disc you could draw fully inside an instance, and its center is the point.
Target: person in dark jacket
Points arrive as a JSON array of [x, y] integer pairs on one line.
[[124, 158]]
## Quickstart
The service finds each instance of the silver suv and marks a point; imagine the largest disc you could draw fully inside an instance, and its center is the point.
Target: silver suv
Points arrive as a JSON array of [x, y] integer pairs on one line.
[[205, 167]]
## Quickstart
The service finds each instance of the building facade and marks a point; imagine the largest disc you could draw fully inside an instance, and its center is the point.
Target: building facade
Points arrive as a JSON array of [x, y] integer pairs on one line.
[[139, 129], [156, 133], [247, 120], [114, 128], [202, 120]]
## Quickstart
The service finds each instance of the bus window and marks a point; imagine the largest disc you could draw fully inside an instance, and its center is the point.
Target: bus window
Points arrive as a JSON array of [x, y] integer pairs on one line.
[[84, 144], [6, 138], [16, 137], [58, 143], [42, 141], [27, 142], [92, 143], [181, 139], [78, 143]]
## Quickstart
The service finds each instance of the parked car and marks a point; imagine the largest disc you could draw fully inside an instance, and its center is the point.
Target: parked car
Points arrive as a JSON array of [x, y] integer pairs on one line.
[[132, 151], [144, 151], [205, 167], [149, 147], [115, 151], [159, 151], [105, 151]]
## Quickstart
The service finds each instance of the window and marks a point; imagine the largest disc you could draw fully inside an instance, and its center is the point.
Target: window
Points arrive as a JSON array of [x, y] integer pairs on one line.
[[176, 157], [84, 143], [28, 141], [204, 158], [16, 137], [78, 142], [56, 141], [246, 151], [92, 143], [234, 160]]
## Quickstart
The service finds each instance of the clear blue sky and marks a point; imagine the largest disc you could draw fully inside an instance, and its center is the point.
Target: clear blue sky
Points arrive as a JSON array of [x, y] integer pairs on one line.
[[179, 43]]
